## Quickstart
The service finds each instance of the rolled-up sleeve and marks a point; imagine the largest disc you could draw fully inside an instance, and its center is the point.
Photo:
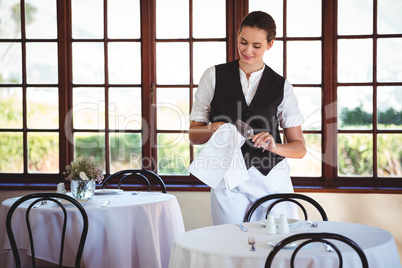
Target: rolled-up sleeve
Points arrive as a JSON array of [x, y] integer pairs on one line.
[[203, 96], [288, 111]]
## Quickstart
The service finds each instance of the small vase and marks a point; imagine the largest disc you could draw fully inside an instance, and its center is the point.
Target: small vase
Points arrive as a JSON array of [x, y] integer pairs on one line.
[[82, 190]]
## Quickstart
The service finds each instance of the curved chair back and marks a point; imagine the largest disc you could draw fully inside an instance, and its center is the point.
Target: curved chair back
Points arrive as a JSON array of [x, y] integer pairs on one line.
[[39, 197], [285, 197], [135, 173], [316, 237]]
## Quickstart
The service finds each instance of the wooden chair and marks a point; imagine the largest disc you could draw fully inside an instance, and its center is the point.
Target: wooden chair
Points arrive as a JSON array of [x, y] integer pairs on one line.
[[316, 237], [45, 197], [135, 173], [285, 197]]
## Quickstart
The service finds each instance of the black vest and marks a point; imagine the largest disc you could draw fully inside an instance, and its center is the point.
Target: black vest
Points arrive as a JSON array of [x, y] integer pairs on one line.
[[229, 104]]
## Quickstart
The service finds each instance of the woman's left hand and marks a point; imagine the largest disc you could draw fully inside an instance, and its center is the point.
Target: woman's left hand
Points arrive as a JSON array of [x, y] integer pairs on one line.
[[264, 140]]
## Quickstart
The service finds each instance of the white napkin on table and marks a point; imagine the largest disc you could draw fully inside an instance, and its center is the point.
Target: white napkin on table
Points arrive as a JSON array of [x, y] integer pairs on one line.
[[221, 158]]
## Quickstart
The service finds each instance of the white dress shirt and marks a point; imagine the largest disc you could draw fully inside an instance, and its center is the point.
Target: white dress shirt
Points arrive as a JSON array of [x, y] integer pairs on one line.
[[288, 111]]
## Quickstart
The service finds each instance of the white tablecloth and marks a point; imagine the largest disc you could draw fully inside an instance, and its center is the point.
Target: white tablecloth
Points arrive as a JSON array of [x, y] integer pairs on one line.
[[132, 231], [225, 246]]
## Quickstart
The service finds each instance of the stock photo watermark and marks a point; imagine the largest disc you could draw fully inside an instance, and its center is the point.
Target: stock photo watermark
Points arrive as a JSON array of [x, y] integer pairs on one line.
[[179, 139]]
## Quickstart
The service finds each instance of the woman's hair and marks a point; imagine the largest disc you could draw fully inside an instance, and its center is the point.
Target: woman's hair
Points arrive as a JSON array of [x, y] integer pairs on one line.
[[261, 20]]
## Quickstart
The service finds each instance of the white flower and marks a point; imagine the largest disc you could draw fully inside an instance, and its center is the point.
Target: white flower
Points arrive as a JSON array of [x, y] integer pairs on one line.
[[83, 176]]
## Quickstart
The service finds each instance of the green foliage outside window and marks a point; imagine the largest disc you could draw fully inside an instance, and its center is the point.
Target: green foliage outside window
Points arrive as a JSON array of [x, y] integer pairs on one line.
[[355, 152], [358, 117]]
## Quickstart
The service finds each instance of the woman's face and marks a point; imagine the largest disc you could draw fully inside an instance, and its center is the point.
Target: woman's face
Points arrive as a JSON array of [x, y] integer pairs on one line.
[[252, 44]]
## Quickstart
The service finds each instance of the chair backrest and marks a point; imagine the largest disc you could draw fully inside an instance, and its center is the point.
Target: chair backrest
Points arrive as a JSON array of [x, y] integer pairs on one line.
[[316, 237], [135, 173], [39, 197], [285, 197]]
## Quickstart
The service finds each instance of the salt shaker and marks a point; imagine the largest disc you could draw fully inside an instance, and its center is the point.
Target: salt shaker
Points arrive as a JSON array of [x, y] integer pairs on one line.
[[60, 188], [270, 225], [283, 227]]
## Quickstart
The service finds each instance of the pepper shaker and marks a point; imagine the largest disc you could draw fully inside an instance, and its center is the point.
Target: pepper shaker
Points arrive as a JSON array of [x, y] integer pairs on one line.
[[283, 227]]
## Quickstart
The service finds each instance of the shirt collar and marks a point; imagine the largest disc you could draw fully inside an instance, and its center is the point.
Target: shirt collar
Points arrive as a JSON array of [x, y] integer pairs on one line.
[[253, 74]]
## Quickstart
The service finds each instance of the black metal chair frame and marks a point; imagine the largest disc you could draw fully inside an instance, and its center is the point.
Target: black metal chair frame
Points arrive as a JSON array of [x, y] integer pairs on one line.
[[46, 197], [285, 197], [138, 173], [312, 238]]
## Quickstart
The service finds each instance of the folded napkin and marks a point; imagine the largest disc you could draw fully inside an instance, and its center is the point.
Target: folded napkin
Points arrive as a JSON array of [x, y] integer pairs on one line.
[[221, 158]]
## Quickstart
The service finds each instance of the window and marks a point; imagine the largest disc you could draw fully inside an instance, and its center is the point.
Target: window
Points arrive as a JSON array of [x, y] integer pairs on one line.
[[184, 49], [345, 74], [297, 55], [106, 83], [116, 80]]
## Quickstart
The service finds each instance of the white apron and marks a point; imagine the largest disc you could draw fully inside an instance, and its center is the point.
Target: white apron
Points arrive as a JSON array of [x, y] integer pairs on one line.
[[234, 189], [230, 206]]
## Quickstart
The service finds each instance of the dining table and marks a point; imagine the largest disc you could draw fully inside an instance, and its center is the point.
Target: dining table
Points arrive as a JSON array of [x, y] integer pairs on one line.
[[133, 229], [226, 246]]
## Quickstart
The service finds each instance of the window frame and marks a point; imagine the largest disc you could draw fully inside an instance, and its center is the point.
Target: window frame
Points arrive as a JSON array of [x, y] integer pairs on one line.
[[235, 11]]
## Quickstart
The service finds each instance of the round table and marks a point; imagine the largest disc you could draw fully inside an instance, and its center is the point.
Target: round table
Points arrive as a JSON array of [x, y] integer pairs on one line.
[[132, 231], [226, 246]]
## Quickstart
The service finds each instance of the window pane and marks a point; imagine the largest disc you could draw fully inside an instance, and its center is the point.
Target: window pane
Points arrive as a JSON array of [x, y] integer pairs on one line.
[[310, 106], [125, 108], [389, 162], [273, 8], [123, 19], [10, 13], [349, 11], [10, 107], [389, 17], [355, 155], [389, 107], [173, 154], [43, 108], [42, 64], [310, 164], [355, 60], [88, 63], [125, 151], [124, 63], [87, 19], [209, 22], [355, 107], [216, 52], [303, 21], [173, 108], [172, 19], [389, 60], [197, 149], [41, 19], [90, 145], [11, 63], [172, 63], [304, 62], [274, 57], [89, 108], [11, 152], [43, 152]]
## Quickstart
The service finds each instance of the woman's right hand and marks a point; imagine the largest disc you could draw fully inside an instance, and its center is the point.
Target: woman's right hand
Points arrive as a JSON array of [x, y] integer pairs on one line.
[[200, 133], [214, 126]]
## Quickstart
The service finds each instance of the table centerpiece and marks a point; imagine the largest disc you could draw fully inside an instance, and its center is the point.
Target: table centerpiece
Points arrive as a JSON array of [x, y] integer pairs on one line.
[[83, 174]]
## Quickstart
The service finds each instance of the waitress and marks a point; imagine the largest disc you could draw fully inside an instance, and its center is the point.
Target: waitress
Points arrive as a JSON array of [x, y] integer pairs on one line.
[[249, 90]]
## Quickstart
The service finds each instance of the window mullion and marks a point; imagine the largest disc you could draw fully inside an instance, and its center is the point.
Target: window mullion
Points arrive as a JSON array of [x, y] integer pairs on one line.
[[148, 63], [65, 71], [329, 107], [375, 85]]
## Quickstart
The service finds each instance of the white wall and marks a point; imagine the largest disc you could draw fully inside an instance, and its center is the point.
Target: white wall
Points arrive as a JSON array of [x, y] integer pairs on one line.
[[379, 210]]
